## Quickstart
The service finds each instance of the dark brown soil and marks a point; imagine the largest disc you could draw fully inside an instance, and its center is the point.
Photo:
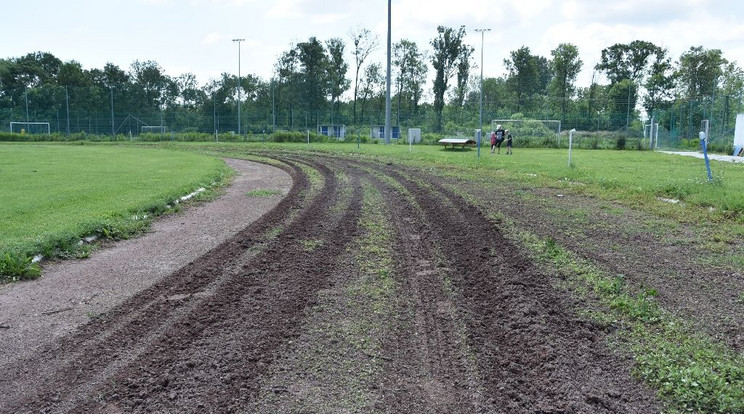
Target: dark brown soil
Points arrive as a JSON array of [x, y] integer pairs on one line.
[[473, 325], [691, 271]]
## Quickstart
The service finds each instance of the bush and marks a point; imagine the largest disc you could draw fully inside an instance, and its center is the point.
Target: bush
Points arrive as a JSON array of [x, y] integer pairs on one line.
[[620, 143]]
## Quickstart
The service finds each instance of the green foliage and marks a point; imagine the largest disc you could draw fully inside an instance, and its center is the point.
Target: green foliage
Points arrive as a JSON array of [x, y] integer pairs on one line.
[[449, 52], [312, 81], [693, 372], [14, 267], [620, 143]]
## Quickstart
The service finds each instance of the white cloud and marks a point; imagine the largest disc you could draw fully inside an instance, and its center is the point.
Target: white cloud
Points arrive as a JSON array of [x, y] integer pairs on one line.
[[212, 38], [328, 18], [285, 9]]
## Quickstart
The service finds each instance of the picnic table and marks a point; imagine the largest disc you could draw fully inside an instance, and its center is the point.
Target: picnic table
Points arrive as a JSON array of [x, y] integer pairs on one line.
[[462, 142]]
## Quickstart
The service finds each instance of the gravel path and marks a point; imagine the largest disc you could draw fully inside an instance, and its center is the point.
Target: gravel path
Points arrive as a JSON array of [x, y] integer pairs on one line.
[[70, 293]]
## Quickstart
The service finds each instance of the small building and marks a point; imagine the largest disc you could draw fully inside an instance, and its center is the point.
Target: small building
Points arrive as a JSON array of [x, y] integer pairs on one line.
[[378, 131], [338, 131]]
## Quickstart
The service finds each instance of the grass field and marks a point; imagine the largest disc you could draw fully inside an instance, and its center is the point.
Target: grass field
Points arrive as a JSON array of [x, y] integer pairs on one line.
[[54, 194]]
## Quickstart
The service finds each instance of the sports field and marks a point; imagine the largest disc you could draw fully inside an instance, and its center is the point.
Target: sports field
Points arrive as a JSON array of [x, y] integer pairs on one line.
[[428, 280], [52, 195]]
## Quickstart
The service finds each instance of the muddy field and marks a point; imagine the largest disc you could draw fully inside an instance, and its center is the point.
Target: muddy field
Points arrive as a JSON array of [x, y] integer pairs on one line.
[[370, 288]]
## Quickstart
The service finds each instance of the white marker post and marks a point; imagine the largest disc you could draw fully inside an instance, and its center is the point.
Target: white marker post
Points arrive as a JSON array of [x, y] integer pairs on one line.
[[570, 144], [704, 143]]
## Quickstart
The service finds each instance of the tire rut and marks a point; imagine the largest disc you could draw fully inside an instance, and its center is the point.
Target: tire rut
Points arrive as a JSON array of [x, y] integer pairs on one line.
[[537, 356], [112, 341], [478, 327]]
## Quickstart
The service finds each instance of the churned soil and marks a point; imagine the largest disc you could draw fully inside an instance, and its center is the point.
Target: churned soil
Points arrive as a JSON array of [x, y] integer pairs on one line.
[[688, 264], [267, 317]]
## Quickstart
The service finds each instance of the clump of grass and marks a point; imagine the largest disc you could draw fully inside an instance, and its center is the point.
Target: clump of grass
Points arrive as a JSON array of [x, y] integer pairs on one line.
[[14, 267], [311, 244]]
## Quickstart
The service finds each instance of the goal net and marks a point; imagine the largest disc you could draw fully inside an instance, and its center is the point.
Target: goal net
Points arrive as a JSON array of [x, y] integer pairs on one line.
[[154, 129], [22, 127], [530, 132]]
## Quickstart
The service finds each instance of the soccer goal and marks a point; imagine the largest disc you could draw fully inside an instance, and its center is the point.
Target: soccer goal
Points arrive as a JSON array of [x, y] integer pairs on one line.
[[154, 129], [531, 132], [22, 127]]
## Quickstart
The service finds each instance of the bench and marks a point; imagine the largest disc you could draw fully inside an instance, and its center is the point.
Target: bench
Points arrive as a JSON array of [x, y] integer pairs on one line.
[[462, 142]]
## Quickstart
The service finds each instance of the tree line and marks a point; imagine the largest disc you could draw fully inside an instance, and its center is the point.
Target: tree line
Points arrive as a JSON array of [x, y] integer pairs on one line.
[[316, 83]]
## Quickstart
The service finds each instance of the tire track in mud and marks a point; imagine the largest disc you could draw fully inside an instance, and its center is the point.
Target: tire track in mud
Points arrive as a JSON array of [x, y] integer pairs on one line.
[[108, 342], [478, 327], [532, 353], [253, 313], [427, 370]]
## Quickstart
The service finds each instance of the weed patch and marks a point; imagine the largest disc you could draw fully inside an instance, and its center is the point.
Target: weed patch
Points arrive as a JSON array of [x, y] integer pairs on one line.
[[690, 371], [14, 267]]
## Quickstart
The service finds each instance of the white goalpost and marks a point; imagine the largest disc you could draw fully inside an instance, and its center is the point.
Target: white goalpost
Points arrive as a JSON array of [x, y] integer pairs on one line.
[[154, 129], [23, 127], [526, 130], [553, 125]]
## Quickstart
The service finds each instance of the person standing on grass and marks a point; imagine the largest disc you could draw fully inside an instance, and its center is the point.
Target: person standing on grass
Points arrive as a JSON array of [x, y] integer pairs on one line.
[[493, 141], [499, 139], [508, 142]]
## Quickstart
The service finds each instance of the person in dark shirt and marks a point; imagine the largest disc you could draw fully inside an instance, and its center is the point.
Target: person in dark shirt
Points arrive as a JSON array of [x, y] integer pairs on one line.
[[499, 139], [508, 142]]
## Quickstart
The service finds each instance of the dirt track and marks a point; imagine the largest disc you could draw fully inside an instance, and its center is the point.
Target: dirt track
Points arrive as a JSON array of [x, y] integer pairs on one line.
[[287, 316]]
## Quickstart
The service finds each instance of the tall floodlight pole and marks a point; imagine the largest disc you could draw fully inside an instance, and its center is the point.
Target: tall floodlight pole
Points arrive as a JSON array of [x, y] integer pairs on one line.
[[238, 40], [214, 117], [480, 118], [113, 131], [67, 105], [388, 132], [27, 118], [273, 109]]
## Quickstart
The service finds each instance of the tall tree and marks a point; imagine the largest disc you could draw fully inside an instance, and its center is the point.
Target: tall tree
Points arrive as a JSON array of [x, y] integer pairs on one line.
[[448, 50], [313, 74], [364, 44], [372, 90], [700, 71], [190, 94], [627, 61], [732, 86], [463, 73], [659, 83], [411, 72], [151, 82], [566, 66], [524, 75], [621, 62], [337, 68], [287, 86]]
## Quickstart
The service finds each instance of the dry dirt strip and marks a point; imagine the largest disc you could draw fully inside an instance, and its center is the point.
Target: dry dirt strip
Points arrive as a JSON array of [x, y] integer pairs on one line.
[[469, 324]]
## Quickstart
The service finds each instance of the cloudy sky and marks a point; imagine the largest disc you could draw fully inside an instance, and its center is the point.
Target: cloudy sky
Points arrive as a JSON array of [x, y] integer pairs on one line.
[[196, 35]]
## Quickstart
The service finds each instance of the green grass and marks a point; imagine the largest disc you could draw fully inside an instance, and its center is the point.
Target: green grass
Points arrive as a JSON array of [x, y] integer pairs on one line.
[[52, 195]]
